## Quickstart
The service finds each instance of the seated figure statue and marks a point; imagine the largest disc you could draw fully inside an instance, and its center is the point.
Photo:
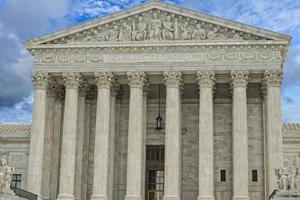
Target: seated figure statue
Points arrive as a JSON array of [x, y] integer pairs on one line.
[[6, 173]]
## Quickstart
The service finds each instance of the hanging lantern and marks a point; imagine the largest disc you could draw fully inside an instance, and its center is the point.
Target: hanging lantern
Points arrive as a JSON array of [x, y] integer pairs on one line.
[[158, 119]]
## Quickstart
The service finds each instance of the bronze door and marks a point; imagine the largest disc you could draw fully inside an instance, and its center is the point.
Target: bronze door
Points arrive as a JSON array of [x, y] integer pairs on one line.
[[155, 173]]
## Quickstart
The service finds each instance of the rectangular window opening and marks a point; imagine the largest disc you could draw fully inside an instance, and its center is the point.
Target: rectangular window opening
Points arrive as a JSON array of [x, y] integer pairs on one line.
[[223, 175], [254, 176], [16, 181]]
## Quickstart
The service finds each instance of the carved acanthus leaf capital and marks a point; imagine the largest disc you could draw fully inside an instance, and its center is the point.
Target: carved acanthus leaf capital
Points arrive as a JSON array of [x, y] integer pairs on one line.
[[115, 88], [104, 79], [83, 87], [239, 78], [173, 79], [71, 80], [273, 78], [136, 79], [40, 80], [206, 78], [52, 87]]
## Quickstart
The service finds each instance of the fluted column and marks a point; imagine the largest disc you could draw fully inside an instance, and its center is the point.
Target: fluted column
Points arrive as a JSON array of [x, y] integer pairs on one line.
[[240, 135], [135, 137], [272, 81], [206, 81], [83, 86], [145, 96], [68, 152], [114, 91], [173, 81], [102, 132], [58, 110], [48, 140], [35, 163]]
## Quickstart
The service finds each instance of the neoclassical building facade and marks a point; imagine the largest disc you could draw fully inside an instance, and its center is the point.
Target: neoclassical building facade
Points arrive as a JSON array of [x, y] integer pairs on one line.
[[156, 102]]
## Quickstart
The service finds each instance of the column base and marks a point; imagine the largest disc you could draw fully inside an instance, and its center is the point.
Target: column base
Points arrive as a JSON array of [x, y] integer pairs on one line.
[[171, 198], [206, 198], [99, 197], [65, 197], [133, 197], [240, 198]]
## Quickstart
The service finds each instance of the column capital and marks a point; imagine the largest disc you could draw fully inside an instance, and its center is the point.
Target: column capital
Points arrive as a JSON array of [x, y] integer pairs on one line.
[[83, 87], [115, 88], [239, 78], [40, 80], [206, 78], [104, 79], [71, 80], [173, 79], [52, 87], [272, 78], [136, 79]]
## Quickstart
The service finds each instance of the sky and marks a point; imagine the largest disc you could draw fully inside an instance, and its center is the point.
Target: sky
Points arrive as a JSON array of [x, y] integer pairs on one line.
[[25, 19]]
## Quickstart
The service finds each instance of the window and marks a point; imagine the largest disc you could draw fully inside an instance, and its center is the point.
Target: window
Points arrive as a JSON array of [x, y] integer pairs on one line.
[[16, 181], [254, 176], [155, 153], [223, 175]]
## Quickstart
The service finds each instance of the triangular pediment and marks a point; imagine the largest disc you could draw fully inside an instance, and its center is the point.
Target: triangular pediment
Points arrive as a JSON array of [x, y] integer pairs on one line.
[[155, 21]]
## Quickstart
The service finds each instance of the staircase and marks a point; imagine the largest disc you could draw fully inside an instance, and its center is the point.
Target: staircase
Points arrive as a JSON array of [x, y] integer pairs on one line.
[[24, 194]]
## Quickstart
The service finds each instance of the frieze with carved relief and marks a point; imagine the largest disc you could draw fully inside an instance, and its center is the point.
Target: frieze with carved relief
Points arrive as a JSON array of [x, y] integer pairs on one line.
[[156, 25]]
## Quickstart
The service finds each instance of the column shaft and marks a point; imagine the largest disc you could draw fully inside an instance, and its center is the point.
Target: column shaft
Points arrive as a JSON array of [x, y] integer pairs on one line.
[[273, 128], [80, 139], [35, 163], [48, 141], [68, 151], [135, 137], [102, 134], [114, 92], [206, 140], [240, 135], [172, 191], [58, 109]]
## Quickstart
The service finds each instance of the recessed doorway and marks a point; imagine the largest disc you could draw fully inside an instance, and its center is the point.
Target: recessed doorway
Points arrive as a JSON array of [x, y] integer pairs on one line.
[[155, 173]]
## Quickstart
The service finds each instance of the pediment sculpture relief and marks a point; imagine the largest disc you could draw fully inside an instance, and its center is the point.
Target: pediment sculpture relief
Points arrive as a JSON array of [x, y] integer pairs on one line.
[[156, 25]]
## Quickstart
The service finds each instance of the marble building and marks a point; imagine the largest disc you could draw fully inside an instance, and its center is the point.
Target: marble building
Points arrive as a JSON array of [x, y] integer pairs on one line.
[[100, 87]]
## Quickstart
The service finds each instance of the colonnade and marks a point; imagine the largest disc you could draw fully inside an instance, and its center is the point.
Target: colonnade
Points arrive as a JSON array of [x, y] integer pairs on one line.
[[72, 151]]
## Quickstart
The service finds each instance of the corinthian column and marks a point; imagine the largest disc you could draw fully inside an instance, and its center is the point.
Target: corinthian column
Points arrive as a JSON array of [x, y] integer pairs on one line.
[[173, 81], [83, 86], [135, 137], [206, 81], [272, 80], [240, 135], [49, 138], [68, 151], [35, 163], [101, 151]]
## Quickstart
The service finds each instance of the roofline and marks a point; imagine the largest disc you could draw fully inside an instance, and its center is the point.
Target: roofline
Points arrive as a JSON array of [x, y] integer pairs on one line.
[[151, 5]]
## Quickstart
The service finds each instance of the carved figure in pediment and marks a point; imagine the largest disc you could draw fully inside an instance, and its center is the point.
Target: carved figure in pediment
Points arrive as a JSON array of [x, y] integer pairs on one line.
[[139, 32], [125, 33], [100, 36], [168, 29], [113, 34], [155, 28], [185, 35], [237, 36], [283, 181], [198, 33], [212, 34]]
